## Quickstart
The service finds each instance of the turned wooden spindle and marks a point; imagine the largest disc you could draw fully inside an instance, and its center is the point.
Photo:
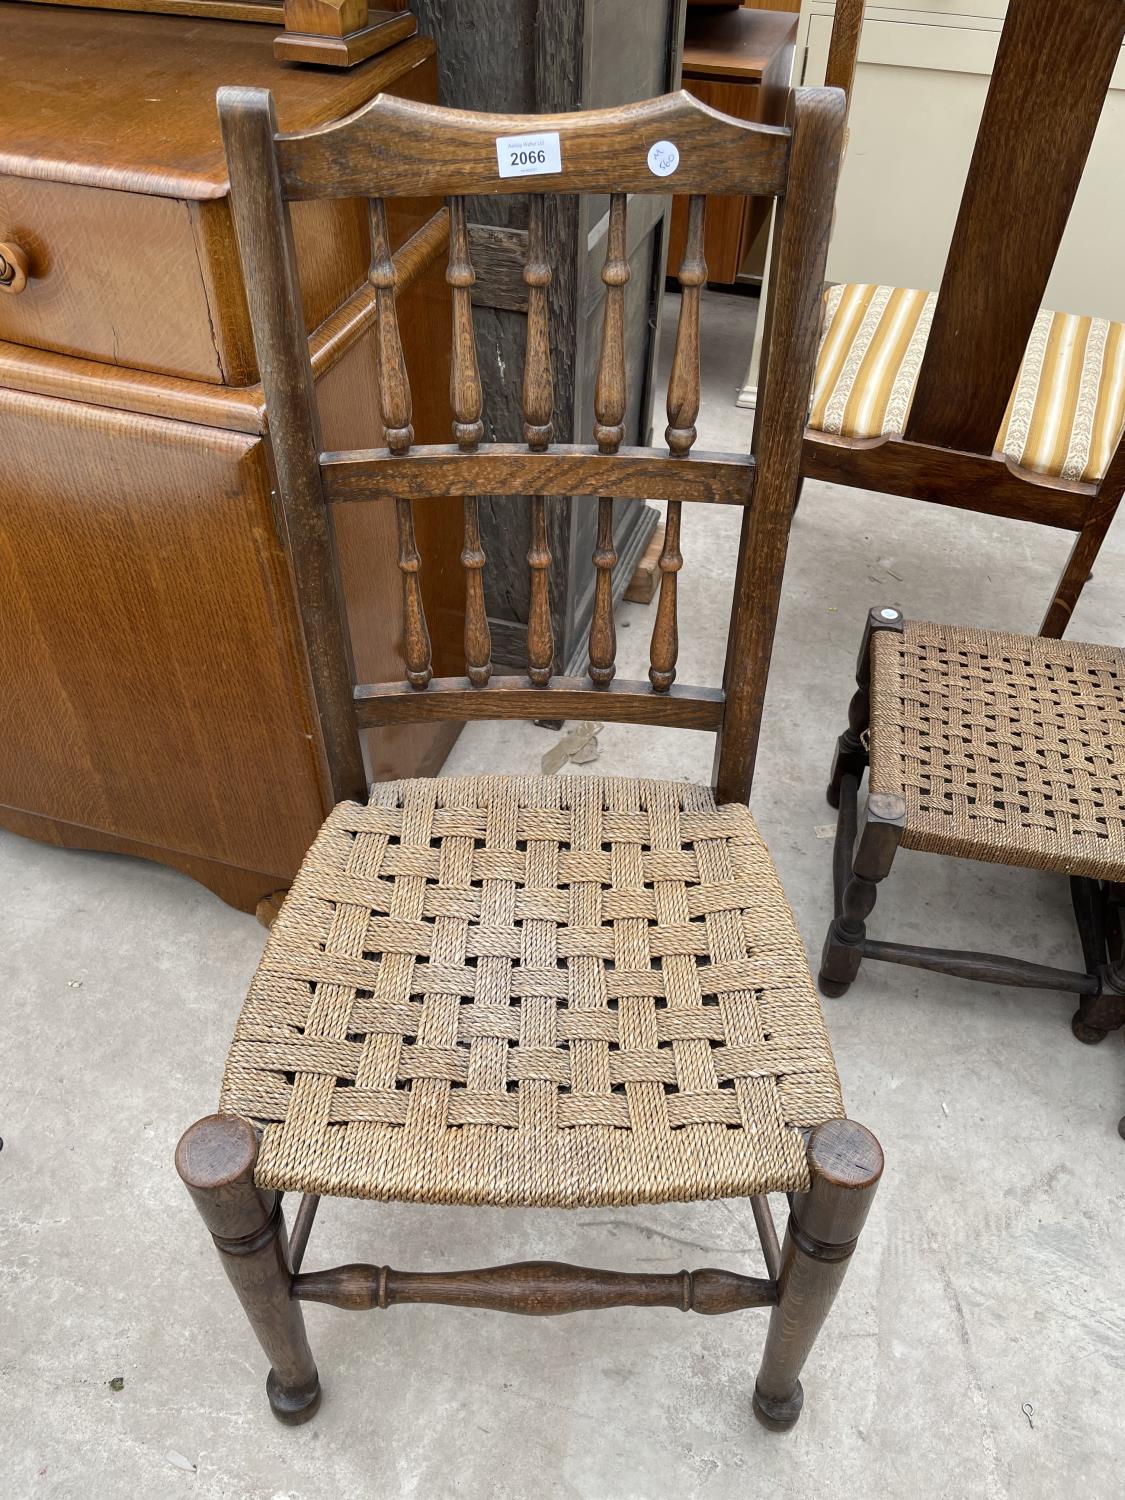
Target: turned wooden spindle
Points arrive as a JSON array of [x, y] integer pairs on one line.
[[394, 388], [538, 409], [603, 632], [464, 376], [665, 647], [538, 383], [478, 638], [395, 411], [415, 633], [465, 400], [683, 383], [609, 430], [609, 391], [683, 408], [540, 636]]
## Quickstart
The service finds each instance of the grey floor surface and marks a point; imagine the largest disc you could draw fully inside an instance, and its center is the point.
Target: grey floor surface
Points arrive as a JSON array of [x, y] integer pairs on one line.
[[978, 1347]]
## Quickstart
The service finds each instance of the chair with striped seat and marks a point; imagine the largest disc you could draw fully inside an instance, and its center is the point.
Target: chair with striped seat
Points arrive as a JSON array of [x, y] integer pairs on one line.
[[976, 396], [559, 992]]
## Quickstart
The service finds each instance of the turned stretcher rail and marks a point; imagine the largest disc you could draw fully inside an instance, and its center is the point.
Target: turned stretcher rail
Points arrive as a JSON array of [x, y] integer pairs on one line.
[[541, 1288]]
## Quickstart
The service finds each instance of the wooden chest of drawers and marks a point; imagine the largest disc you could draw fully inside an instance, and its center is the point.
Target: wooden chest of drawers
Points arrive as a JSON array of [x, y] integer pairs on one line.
[[155, 685]]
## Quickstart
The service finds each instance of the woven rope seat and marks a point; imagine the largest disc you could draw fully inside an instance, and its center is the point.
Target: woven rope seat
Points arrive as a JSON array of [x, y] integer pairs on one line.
[[547, 991], [1007, 748]]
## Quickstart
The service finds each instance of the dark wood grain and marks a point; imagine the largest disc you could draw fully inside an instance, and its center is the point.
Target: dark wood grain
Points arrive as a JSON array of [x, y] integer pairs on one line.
[[566, 469], [620, 701], [856, 880], [989, 968], [845, 1165], [498, 255], [395, 146], [538, 1288], [1048, 85], [991, 486]]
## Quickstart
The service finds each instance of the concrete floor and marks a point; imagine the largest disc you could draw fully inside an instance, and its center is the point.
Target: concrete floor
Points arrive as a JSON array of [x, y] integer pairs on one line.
[[987, 1284]]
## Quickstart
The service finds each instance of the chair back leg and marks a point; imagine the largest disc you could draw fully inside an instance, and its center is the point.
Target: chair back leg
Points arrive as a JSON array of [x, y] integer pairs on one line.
[[1076, 574]]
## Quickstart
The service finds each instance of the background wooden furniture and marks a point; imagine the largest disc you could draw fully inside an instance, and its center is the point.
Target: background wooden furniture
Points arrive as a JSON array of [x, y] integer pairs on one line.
[[1053, 69], [737, 61], [486, 901], [332, 33], [156, 688], [923, 73], [524, 56]]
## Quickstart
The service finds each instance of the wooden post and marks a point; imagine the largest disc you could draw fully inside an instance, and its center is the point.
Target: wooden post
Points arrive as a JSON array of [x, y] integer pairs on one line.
[[883, 827], [265, 240], [845, 1163], [215, 1159]]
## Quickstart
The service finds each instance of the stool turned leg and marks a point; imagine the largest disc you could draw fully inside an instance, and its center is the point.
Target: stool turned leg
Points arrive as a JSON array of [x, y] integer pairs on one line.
[[845, 1162], [215, 1159], [883, 826]]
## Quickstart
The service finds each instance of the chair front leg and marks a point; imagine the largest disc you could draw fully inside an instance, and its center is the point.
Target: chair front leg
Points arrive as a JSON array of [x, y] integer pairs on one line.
[[216, 1159], [845, 1164]]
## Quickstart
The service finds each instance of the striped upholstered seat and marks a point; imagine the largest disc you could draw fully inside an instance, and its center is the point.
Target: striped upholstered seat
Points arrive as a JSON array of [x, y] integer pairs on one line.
[[1065, 413]]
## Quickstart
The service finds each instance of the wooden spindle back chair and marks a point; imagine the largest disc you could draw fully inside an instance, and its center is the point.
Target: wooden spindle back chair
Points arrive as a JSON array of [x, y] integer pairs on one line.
[[941, 399], [553, 991], [397, 147]]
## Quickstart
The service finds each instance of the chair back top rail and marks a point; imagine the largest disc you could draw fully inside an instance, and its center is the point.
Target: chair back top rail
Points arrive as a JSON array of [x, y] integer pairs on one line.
[[1052, 72], [399, 147]]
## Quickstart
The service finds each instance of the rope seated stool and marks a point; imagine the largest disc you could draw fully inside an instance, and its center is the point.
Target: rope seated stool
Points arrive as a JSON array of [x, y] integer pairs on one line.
[[543, 991], [1003, 748]]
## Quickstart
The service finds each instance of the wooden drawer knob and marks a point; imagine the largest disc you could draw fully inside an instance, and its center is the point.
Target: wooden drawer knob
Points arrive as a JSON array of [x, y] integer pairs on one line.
[[13, 268]]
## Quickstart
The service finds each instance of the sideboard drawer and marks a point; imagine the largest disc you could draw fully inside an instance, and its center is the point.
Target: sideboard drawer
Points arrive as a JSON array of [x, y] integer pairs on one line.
[[175, 309], [126, 226]]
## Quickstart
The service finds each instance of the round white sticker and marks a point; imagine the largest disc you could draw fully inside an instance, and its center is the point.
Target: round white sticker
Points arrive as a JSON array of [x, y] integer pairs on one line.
[[663, 159]]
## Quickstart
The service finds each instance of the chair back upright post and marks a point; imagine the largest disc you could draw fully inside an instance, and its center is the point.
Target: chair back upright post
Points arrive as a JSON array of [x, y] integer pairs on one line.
[[1052, 72], [394, 148]]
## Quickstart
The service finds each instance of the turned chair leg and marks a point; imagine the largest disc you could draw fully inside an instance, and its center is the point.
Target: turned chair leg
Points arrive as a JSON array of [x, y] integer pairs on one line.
[[845, 1163], [216, 1158], [883, 827]]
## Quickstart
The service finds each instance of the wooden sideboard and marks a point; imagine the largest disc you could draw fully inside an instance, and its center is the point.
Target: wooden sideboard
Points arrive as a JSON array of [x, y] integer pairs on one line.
[[155, 690]]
